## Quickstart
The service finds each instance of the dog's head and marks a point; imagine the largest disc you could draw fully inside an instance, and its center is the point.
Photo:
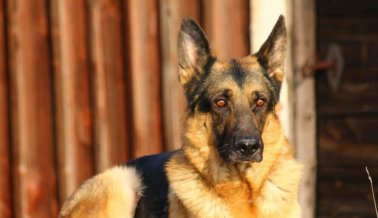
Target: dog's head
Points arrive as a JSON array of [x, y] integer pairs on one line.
[[238, 94]]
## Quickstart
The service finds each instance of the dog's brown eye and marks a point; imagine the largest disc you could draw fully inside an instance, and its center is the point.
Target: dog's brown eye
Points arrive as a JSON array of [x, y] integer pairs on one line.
[[220, 103], [260, 102]]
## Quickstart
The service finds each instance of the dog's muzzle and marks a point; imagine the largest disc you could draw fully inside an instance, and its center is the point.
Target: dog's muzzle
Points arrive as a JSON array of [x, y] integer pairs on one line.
[[249, 149]]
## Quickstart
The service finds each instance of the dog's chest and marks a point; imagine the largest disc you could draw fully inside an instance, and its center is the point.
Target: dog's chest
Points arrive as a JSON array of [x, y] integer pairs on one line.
[[238, 197]]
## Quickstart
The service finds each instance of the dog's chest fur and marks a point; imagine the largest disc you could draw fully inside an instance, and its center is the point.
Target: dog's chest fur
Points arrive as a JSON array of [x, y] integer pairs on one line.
[[237, 197]]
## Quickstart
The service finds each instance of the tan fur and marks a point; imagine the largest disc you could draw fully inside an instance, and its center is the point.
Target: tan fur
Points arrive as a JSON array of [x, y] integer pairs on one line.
[[203, 186], [111, 194]]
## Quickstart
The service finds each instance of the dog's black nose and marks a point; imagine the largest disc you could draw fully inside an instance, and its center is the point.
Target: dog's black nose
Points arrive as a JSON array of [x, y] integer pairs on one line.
[[248, 145]]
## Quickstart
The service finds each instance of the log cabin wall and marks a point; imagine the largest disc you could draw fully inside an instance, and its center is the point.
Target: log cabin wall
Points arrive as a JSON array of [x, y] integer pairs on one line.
[[348, 117], [88, 84]]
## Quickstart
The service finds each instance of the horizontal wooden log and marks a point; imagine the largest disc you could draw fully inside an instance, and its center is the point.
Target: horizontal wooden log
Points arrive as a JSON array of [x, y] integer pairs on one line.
[[358, 52], [345, 192], [347, 8], [346, 182], [348, 37], [345, 207], [357, 93], [327, 27], [348, 142]]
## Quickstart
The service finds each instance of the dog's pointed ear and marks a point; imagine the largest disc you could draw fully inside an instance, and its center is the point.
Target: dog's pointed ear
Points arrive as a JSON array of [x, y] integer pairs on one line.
[[193, 50], [272, 53]]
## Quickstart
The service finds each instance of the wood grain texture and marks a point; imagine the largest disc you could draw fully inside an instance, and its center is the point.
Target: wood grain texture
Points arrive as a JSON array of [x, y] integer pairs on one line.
[[227, 26], [145, 76], [348, 142], [305, 110], [111, 139], [34, 182], [5, 181], [347, 125], [174, 102], [345, 192], [357, 93], [347, 8], [73, 96], [357, 50]]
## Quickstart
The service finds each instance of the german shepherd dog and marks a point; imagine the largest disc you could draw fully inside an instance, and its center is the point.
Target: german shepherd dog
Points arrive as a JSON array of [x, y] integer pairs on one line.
[[235, 160]]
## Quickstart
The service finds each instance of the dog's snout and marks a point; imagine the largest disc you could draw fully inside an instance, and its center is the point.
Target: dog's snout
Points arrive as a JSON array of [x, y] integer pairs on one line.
[[248, 145]]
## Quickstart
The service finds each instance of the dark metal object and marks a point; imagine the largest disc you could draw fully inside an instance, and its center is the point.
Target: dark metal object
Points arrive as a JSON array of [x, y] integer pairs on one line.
[[333, 65]]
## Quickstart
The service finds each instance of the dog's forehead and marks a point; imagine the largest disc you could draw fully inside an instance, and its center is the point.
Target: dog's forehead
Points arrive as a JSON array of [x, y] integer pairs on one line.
[[240, 74]]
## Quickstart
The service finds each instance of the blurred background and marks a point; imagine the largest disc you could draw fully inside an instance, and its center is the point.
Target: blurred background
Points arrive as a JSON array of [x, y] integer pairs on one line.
[[88, 84]]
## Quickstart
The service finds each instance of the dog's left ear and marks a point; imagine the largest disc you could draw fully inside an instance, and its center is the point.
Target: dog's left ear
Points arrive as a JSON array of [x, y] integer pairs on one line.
[[272, 53]]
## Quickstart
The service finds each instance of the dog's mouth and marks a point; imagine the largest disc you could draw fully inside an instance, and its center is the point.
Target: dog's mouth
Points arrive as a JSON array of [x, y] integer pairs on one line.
[[255, 155], [239, 155]]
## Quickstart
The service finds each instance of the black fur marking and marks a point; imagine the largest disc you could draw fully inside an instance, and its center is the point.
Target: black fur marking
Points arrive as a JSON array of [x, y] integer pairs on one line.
[[154, 202], [274, 89], [237, 73], [263, 62], [195, 88]]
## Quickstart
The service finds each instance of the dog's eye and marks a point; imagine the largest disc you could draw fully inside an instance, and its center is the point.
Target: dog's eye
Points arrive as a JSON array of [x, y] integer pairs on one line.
[[220, 103], [260, 102]]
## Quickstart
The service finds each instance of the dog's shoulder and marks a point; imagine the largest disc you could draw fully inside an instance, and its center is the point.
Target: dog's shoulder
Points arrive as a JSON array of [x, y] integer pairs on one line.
[[154, 202]]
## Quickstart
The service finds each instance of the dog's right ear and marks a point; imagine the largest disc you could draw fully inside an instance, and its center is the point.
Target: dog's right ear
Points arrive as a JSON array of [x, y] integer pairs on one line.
[[272, 53], [193, 51]]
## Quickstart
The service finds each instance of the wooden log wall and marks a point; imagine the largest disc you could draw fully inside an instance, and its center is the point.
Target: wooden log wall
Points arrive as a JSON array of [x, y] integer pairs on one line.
[[88, 84], [31, 95], [348, 117], [5, 169]]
